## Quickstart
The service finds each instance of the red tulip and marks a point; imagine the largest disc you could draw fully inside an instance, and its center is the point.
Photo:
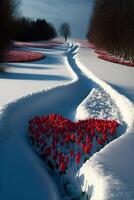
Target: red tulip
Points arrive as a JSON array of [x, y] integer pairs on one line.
[[88, 129], [78, 141], [112, 131], [99, 129], [86, 149], [110, 124], [88, 140], [90, 145], [78, 157], [105, 137], [92, 132], [100, 141], [73, 137], [62, 166], [68, 138], [83, 146], [81, 134]]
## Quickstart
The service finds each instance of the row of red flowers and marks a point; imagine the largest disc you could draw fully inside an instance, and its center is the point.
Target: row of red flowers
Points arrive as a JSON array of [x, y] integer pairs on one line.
[[22, 56], [105, 56], [49, 44], [115, 60], [61, 142], [18, 55]]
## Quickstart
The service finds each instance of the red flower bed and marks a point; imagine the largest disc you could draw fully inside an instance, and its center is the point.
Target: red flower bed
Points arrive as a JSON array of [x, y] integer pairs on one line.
[[22, 56], [105, 56], [115, 60], [63, 143], [100, 52], [27, 56], [37, 45]]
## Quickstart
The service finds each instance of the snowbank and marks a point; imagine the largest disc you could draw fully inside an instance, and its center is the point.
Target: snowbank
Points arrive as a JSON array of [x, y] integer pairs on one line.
[[108, 175], [98, 104]]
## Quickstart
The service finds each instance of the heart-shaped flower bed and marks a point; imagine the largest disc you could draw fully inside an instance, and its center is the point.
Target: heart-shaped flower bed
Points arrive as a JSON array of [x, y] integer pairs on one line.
[[63, 143]]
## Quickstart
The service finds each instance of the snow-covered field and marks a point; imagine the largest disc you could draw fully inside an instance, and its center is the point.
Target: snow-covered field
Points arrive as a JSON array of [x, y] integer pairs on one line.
[[119, 76], [64, 83], [22, 79]]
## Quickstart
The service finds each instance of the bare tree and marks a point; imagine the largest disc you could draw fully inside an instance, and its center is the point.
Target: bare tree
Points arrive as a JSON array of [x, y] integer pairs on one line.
[[65, 30]]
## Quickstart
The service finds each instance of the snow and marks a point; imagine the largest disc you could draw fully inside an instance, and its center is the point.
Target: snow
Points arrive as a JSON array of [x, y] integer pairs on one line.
[[98, 104], [113, 165], [66, 82], [21, 79], [22, 174], [13, 137], [119, 76]]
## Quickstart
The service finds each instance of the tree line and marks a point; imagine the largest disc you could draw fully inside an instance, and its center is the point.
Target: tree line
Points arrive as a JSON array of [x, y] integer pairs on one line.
[[7, 11], [112, 27], [14, 27], [25, 29]]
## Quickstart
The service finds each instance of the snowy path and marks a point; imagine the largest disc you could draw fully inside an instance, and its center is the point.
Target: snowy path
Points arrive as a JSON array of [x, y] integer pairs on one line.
[[21, 170]]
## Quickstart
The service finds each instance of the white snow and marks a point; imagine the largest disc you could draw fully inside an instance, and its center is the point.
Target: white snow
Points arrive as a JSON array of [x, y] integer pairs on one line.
[[98, 104], [63, 83], [109, 173], [25, 78], [21, 163], [23, 176], [121, 77]]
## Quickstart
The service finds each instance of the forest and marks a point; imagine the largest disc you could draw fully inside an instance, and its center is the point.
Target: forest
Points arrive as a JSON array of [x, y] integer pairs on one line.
[[15, 27], [112, 27], [25, 29]]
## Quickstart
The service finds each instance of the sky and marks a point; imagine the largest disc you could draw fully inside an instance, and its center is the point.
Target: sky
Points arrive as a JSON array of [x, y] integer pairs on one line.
[[76, 12]]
